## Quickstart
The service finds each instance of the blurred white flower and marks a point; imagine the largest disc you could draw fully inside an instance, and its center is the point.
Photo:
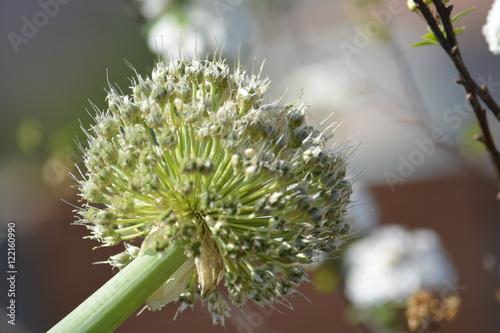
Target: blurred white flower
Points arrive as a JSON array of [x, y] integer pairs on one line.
[[392, 263], [182, 26], [169, 37], [151, 9], [491, 30]]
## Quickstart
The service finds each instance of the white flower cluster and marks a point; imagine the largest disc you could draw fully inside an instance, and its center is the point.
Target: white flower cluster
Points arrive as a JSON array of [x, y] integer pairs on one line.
[[491, 30], [195, 25], [392, 263]]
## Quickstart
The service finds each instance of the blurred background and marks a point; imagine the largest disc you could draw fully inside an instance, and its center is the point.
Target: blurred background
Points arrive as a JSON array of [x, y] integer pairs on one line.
[[408, 123]]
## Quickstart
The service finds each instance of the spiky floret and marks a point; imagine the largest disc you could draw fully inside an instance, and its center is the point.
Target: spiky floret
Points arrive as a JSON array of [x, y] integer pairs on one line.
[[195, 156]]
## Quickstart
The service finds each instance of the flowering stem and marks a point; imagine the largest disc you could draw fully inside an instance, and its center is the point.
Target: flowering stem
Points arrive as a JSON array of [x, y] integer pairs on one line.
[[116, 300], [474, 92]]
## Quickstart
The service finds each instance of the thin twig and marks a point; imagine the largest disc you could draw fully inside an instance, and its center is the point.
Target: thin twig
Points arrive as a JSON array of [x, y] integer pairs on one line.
[[482, 92], [474, 92], [419, 107]]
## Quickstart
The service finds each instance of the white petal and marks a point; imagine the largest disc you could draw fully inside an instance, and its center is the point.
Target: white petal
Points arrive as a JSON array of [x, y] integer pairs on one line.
[[173, 287], [491, 30]]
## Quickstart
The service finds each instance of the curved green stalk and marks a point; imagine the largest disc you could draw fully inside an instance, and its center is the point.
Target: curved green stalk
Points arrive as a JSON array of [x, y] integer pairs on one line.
[[116, 300]]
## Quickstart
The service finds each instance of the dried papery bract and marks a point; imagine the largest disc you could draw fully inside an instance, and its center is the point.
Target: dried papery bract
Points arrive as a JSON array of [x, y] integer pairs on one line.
[[425, 309], [197, 157]]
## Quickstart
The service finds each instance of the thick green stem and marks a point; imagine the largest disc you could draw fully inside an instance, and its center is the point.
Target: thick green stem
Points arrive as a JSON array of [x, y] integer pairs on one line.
[[116, 300]]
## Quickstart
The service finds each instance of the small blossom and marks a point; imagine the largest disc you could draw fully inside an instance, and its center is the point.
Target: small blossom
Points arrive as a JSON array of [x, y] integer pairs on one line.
[[413, 6], [491, 30], [196, 157], [392, 263]]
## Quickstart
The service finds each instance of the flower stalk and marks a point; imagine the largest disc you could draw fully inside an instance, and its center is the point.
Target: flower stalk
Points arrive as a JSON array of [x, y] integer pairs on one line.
[[116, 300]]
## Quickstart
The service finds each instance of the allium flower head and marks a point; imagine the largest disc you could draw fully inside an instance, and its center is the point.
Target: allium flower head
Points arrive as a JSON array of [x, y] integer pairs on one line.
[[197, 157]]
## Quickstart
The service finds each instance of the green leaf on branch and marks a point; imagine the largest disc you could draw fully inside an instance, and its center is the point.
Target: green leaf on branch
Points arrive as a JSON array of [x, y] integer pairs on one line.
[[462, 14], [458, 31], [422, 43], [430, 38]]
